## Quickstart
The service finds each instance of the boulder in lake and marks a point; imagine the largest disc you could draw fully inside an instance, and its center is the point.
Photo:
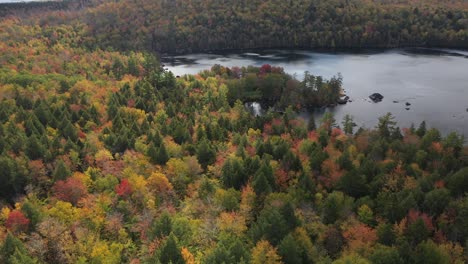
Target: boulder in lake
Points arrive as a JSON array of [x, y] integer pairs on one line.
[[376, 97], [408, 104], [407, 108], [343, 100]]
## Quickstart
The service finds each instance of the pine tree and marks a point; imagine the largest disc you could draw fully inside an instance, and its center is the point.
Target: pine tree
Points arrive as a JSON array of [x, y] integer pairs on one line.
[[348, 124], [61, 171], [162, 156], [170, 252], [34, 149], [311, 124], [421, 129], [205, 154], [290, 251], [9, 247], [152, 153], [162, 226], [261, 184]]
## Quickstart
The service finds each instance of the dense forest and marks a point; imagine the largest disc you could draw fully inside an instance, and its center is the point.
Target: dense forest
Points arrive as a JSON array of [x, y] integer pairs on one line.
[[183, 26], [105, 157], [189, 26]]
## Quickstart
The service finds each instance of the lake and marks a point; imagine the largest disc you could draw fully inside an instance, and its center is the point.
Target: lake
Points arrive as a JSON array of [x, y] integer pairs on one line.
[[434, 82]]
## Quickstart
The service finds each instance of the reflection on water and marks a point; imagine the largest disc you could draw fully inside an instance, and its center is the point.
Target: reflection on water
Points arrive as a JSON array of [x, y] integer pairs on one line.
[[434, 82]]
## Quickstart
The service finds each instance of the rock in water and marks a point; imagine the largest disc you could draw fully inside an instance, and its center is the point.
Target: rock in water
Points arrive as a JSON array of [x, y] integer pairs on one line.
[[343, 100], [408, 104], [376, 97]]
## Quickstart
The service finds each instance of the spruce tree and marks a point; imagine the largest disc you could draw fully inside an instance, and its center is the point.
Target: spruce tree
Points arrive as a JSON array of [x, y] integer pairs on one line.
[[61, 171], [311, 124], [170, 252], [34, 149], [205, 154], [290, 251], [162, 156]]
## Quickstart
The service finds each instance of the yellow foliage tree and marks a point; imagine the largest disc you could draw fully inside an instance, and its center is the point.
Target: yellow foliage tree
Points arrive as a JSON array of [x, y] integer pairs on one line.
[[264, 252]]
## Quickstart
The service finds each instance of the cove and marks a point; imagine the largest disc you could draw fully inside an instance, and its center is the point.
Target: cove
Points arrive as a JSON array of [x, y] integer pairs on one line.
[[417, 84]]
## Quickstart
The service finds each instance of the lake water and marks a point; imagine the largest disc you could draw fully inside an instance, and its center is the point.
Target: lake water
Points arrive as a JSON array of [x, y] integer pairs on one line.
[[434, 82]]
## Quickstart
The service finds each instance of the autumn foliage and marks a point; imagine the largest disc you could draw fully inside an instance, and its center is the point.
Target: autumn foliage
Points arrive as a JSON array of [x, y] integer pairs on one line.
[[106, 157], [17, 222], [124, 189], [71, 190]]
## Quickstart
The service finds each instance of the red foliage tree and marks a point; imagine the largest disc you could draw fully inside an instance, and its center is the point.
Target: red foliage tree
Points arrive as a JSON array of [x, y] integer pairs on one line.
[[266, 68], [70, 190], [124, 188], [414, 215], [17, 222]]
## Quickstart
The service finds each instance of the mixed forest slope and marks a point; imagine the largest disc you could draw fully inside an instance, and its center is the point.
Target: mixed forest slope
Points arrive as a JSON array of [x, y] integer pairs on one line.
[[105, 157], [189, 26]]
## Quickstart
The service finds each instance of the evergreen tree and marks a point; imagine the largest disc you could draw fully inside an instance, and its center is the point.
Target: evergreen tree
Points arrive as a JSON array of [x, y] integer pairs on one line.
[[261, 184], [311, 123], [13, 181], [421, 129], [162, 226], [8, 251], [205, 153], [61, 171], [290, 251], [348, 124], [386, 125], [170, 252], [162, 156], [34, 149], [353, 184]]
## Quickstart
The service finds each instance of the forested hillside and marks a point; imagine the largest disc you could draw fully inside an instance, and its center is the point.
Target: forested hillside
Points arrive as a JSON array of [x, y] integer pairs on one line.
[[182, 26], [188, 26], [105, 157]]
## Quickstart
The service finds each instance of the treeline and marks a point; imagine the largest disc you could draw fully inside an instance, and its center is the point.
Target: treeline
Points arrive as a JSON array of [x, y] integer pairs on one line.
[[191, 26]]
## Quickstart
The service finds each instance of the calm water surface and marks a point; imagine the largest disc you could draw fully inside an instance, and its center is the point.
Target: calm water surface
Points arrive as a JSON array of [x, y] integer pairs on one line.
[[434, 82]]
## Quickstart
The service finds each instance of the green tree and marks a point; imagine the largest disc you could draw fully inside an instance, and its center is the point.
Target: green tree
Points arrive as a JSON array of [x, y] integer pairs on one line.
[[233, 174], [386, 235], [421, 129], [458, 182], [61, 171], [290, 251], [336, 206], [417, 232], [206, 155], [162, 226], [436, 201], [386, 125], [11, 176], [386, 255], [353, 184], [427, 252], [170, 251], [34, 148], [348, 124], [12, 250], [311, 123]]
